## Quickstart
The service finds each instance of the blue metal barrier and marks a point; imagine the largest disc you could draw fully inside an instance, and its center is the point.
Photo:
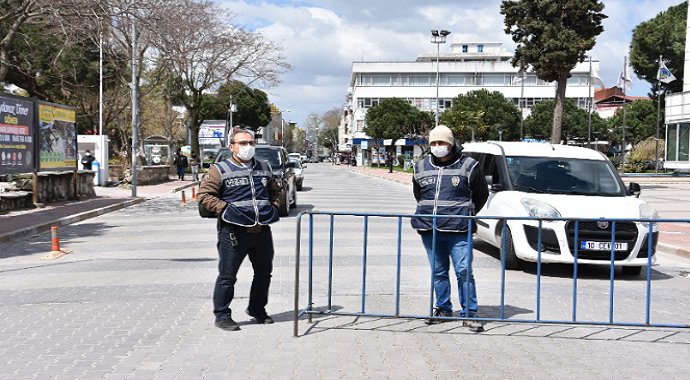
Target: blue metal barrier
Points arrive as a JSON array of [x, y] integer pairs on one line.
[[310, 310]]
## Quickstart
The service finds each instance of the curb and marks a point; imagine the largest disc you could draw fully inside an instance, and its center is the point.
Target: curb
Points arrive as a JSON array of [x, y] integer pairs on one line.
[[673, 250], [383, 177], [40, 228], [37, 229]]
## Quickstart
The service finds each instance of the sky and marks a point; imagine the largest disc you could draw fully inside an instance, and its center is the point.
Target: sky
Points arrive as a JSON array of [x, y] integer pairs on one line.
[[321, 39]]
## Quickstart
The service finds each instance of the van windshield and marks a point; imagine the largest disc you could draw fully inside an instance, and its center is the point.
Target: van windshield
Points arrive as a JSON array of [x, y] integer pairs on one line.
[[564, 176], [262, 154]]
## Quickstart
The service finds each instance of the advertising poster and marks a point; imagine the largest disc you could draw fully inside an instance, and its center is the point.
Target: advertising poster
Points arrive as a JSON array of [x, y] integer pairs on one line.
[[16, 135], [57, 135], [211, 134]]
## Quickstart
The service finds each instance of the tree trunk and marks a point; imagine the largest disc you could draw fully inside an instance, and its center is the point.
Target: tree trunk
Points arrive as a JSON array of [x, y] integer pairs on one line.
[[558, 109]]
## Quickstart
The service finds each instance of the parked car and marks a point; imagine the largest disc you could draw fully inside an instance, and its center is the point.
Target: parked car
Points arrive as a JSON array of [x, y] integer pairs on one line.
[[295, 156], [299, 175], [560, 181], [283, 172]]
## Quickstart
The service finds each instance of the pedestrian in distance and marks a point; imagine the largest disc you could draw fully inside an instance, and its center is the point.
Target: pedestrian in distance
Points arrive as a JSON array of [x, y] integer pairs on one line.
[[244, 194], [87, 160], [181, 165], [389, 159], [194, 163], [449, 183]]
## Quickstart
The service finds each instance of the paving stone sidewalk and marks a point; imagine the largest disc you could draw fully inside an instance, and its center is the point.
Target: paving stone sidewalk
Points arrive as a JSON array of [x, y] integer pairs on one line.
[[133, 302]]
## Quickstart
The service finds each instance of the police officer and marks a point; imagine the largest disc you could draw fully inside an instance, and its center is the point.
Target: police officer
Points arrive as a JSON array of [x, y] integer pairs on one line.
[[242, 191], [449, 183]]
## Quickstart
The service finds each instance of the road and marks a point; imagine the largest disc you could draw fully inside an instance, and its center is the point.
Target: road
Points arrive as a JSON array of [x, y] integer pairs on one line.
[[133, 302]]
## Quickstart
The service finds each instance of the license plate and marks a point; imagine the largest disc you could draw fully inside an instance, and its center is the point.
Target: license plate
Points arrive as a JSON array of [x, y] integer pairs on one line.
[[602, 246]]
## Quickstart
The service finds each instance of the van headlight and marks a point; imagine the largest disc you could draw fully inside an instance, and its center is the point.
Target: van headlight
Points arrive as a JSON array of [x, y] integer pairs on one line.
[[648, 212], [539, 209]]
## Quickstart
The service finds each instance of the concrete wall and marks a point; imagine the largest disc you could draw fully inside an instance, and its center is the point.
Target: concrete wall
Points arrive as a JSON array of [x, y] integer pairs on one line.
[[51, 187]]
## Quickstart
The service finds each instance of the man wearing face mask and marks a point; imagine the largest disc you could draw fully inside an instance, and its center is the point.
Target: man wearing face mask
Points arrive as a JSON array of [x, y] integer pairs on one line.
[[242, 191], [449, 183]]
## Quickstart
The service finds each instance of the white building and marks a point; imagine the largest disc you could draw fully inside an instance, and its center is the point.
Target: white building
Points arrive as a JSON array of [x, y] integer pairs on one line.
[[468, 66], [678, 119]]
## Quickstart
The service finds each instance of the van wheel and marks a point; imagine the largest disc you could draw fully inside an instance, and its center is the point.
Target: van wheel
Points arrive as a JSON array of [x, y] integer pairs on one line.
[[632, 271], [512, 261], [284, 209]]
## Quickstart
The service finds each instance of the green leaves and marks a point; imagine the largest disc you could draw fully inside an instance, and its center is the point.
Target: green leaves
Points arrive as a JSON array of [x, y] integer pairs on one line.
[[552, 37], [661, 35], [394, 118]]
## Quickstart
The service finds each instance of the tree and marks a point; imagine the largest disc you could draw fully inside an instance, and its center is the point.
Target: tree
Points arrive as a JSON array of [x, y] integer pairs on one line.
[[328, 136], [575, 122], [640, 122], [394, 119], [497, 112], [59, 17], [553, 36], [253, 108], [464, 124], [662, 35], [204, 49]]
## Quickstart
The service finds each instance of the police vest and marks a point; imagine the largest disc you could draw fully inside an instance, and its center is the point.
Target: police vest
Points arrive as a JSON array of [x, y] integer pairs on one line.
[[246, 192], [445, 190]]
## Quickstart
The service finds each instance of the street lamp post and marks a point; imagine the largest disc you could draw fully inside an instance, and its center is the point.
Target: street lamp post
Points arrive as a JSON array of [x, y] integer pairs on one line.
[[438, 39]]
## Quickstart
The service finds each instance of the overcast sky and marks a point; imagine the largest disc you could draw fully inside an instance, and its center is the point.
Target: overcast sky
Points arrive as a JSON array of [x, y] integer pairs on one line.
[[321, 39]]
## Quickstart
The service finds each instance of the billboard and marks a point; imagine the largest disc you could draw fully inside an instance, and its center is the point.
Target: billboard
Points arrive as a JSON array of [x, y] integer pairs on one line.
[[16, 135], [57, 136], [212, 133]]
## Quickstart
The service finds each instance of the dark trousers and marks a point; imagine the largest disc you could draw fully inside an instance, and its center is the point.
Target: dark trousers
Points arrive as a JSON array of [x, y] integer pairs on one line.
[[180, 171], [259, 248]]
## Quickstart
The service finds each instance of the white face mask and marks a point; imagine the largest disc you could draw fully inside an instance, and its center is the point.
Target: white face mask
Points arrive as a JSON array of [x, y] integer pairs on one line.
[[440, 151], [245, 153]]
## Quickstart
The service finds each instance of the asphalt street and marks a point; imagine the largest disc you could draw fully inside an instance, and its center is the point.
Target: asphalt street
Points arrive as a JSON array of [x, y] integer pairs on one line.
[[133, 301]]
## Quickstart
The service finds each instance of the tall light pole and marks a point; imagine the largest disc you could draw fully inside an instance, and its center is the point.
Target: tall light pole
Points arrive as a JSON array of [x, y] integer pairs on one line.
[[438, 39]]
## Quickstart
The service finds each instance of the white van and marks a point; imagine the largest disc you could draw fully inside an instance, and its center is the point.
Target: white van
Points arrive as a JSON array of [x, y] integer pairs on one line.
[[559, 181]]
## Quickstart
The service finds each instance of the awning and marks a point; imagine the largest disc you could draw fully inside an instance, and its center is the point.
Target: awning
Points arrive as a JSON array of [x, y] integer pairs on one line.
[[613, 150]]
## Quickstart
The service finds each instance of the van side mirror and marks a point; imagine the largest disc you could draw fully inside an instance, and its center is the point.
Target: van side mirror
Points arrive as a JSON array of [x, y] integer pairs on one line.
[[494, 187], [634, 189]]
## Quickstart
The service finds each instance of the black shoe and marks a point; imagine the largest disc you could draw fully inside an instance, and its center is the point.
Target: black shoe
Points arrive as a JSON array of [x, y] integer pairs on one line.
[[262, 319], [227, 325], [474, 326], [438, 313]]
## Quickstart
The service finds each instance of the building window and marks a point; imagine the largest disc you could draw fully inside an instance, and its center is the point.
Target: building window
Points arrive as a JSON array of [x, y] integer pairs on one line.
[[464, 48], [420, 80], [480, 48], [684, 143], [381, 80], [453, 80], [476, 80], [494, 80]]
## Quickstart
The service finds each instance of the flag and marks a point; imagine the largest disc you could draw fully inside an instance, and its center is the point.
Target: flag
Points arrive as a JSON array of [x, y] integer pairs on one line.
[[624, 80], [519, 77], [595, 79], [664, 74]]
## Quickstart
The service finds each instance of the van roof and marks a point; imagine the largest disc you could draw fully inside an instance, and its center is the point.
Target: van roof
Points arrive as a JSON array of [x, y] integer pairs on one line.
[[530, 149]]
